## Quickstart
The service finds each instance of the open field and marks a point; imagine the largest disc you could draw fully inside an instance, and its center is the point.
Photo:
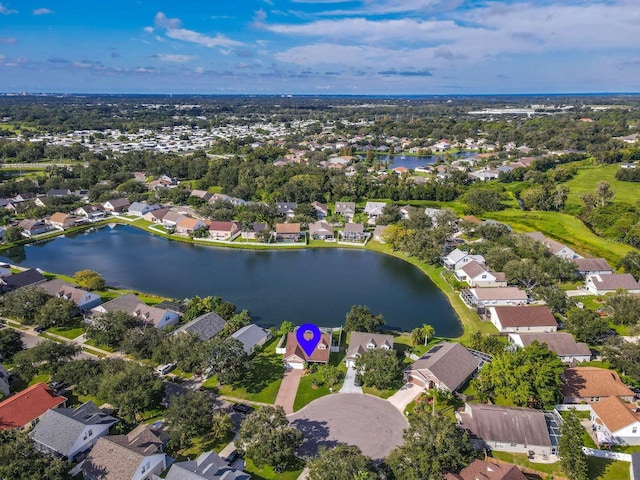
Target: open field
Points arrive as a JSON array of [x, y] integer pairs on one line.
[[588, 177]]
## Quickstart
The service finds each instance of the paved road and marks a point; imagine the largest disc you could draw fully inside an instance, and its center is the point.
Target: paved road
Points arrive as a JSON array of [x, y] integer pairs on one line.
[[370, 423]]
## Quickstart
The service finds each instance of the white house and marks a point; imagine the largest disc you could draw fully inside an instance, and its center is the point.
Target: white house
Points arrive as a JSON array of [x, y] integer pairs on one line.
[[556, 248], [476, 275], [533, 319], [603, 284], [142, 208], [373, 210], [615, 421], [561, 343], [458, 258], [493, 297], [157, 317]]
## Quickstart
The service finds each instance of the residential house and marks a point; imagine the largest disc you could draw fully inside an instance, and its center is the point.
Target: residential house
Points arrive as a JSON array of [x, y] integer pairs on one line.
[[561, 343], [154, 316], [203, 194], [592, 384], [59, 192], [124, 303], [252, 231], [62, 221], [26, 278], [353, 232], [219, 230], [616, 422], [188, 225], [288, 232], [83, 299], [322, 211], [360, 342], [92, 212], [477, 275], [22, 410], [206, 326], [481, 298], [556, 248], [321, 230], [142, 208], [286, 209], [69, 432], [295, 357], [507, 429], [236, 202], [374, 210], [4, 381], [487, 470], [484, 174], [171, 219], [208, 466], [251, 336], [407, 211], [117, 205], [592, 266], [446, 366], [33, 227], [346, 209], [603, 284], [156, 216], [457, 258], [533, 319], [135, 456]]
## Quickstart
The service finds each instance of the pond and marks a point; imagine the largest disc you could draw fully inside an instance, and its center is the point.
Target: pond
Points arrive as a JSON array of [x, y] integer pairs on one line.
[[311, 285], [413, 161]]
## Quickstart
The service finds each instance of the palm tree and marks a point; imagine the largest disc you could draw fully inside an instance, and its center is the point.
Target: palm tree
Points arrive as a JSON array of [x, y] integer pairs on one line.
[[416, 336], [427, 331]]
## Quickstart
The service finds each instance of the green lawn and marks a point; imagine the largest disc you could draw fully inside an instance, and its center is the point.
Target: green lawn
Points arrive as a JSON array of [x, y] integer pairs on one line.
[[92, 343], [70, 332], [308, 393], [588, 177], [565, 229], [201, 445], [267, 473]]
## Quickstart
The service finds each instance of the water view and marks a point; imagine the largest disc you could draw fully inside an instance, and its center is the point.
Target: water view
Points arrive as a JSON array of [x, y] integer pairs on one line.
[[412, 161], [312, 285]]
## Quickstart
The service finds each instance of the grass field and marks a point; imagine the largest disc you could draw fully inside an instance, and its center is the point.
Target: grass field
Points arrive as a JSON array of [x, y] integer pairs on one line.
[[588, 177], [565, 229], [67, 332]]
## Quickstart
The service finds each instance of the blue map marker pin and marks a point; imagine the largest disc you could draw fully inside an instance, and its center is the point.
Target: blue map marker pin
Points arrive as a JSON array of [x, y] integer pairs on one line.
[[308, 344]]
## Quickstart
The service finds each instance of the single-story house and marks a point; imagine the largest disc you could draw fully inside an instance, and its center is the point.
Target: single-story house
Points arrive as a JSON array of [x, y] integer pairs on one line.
[[156, 216], [446, 366], [142, 208], [288, 232], [616, 422], [252, 231], [373, 210], [187, 225], [83, 299], [353, 232], [507, 429], [360, 342], [70, 432], [346, 209], [407, 211], [322, 211], [171, 219], [477, 275], [591, 384], [561, 343], [92, 212], [533, 319], [116, 205], [592, 266], [26, 278], [487, 297], [33, 227], [208, 466], [206, 326], [321, 230], [157, 317], [556, 248], [223, 230], [135, 456], [251, 336], [603, 284], [295, 357], [286, 209], [59, 192], [124, 303], [457, 258], [203, 194], [22, 410], [487, 470], [62, 220]]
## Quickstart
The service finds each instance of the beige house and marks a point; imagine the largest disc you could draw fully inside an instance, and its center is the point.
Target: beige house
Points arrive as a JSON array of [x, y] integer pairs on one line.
[[360, 342], [533, 319]]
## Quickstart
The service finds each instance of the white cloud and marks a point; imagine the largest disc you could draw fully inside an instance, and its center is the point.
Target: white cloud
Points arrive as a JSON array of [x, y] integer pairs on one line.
[[161, 21], [6, 10], [169, 57], [42, 11], [173, 30], [148, 29]]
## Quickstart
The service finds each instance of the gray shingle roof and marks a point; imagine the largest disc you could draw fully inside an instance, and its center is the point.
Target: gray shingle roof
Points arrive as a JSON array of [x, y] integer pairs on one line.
[[22, 279], [206, 326], [124, 303], [250, 336], [451, 363], [358, 342], [208, 466]]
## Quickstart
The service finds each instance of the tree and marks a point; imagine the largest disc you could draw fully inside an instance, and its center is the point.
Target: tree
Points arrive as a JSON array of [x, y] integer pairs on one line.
[[416, 336], [19, 460], [10, 343], [266, 437], [24, 304], [341, 462], [604, 193], [57, 312], [631, 263], [286, 327], [586, 325], [46, 356], [235, 323], [427, 332], [111, 328], [623, 308], [361, 319], [555, 298], [227, 359], [197, 306], [329, 375], [433, 445], [490, 344], [480, 200], [623, 356], [89, 279], [527, 377], [189, 416], [525, 272], [221, 427], [13, 234], [226, 310], [378, 368], [572, 459]]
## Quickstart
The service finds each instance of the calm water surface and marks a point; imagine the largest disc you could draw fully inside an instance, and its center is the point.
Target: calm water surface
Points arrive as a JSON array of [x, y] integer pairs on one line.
[[411, 161], [312, 285]]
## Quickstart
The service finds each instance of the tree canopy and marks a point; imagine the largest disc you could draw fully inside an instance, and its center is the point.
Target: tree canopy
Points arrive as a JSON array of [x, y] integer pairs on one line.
[[342, 462], [227, 359], [189, 416], [378, 368], [572, 459], [361, 319]]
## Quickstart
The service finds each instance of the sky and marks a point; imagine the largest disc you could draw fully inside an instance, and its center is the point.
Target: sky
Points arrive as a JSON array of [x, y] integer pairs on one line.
[[354, 47]]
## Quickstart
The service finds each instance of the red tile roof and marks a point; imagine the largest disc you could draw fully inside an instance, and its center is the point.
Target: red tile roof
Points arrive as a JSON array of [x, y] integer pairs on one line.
[[24, 407]]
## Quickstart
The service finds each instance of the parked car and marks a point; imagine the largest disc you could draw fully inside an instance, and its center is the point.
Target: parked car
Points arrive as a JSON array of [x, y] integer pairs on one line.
[[39, 329], [233, 456], [242, 408], [164, 369], [57, 386]]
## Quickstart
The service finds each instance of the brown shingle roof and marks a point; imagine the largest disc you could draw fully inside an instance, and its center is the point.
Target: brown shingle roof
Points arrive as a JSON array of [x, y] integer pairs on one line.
[[615, 414], [473, 269], [615, 281], [591, 264], [318, 355], [358, 342], [593, 382], [487, 470], [534, 316], [503, 293], [561, 343], [220, 226], [287, 228]]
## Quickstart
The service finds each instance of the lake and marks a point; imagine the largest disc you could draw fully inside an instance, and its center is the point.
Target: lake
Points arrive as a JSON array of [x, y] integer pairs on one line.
[[411, 161], [312, 285]]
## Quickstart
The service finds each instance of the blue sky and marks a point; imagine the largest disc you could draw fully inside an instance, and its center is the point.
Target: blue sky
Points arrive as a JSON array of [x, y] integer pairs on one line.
[[320, 46]]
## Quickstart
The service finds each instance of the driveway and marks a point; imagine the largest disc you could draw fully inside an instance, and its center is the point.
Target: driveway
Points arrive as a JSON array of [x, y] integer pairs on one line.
[[349, 385], [404, 396], [370, 423], [289, 389]]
